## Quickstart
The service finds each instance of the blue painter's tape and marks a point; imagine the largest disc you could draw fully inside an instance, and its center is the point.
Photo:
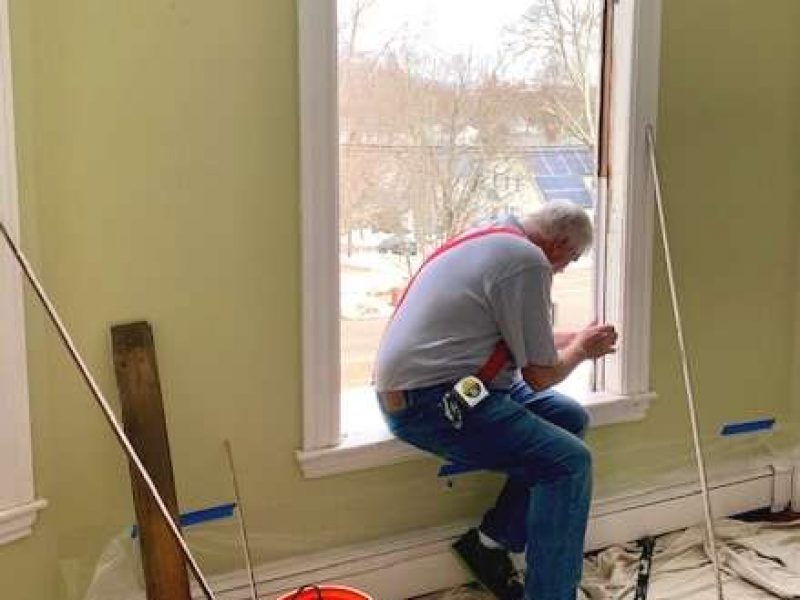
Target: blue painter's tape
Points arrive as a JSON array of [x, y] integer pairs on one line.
[[748, 427], [213, 513]]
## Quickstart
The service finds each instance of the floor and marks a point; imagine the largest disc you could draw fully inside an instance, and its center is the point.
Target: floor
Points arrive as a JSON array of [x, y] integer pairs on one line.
[[760, 554], [465, 592]]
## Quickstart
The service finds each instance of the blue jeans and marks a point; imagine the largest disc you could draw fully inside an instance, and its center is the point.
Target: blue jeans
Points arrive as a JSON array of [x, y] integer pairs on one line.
[[535, 439]]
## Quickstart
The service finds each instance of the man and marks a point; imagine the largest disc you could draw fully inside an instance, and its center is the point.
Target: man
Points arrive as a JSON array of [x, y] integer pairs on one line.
[[481, 307]]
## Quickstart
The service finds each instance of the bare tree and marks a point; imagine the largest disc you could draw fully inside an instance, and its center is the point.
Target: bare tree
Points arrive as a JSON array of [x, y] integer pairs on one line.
[[456, 120], [350, 26], [560, 39], [423, 133], [372, 180]]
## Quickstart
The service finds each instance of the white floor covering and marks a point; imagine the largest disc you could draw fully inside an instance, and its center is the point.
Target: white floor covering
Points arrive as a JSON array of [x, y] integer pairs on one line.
[[758, 560]]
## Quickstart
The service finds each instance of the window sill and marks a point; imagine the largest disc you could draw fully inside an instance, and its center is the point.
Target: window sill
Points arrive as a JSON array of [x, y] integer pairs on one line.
[[366, 452], [17, 522]]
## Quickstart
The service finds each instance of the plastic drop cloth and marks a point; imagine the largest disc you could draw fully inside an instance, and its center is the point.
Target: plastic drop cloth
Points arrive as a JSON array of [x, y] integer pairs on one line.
[[118, 572], [756, 557], [758, 561]]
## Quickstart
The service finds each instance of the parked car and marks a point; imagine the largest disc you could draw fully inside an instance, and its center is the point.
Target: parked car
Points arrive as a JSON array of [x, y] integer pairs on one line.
[[399, 244]]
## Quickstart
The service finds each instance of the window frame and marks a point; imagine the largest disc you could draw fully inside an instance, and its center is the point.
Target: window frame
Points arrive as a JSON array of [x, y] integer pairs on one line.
[[18, 504], [628, 226]]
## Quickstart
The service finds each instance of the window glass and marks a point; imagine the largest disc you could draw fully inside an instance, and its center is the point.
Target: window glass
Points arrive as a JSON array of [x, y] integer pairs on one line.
[[452, 114]]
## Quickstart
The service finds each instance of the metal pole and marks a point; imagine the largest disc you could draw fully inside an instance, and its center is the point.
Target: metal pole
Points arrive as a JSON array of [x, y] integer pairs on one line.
[[687, 380], [102, 403], [242, 526]]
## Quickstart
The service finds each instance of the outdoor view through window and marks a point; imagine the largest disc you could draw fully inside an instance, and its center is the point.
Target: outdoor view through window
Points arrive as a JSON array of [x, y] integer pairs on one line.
[[453, 113]]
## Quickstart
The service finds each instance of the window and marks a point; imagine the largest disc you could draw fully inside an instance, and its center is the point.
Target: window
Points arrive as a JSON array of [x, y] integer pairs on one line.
[[18, 506], [413, 130]]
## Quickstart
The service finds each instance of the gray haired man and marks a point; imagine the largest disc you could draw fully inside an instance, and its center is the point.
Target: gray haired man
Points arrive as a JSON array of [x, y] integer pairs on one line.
[[465, 370]]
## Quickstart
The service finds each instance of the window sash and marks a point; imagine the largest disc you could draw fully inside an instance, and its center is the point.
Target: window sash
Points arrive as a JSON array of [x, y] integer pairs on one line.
[[629, 226]]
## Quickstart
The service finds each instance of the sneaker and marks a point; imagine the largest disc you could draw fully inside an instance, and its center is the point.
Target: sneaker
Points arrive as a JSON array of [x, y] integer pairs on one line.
[[492, 568]]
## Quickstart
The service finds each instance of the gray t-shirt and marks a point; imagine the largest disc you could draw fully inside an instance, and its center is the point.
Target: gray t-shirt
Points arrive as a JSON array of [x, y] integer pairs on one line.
[[461, 304]]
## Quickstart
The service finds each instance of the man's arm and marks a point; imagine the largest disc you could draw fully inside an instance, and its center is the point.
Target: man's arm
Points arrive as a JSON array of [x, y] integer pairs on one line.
[[564, 338], [592, 342]]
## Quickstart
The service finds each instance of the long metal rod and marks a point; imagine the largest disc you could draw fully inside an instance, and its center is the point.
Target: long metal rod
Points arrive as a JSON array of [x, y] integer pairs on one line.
[[242, 525], [104, 406], [687, 379]]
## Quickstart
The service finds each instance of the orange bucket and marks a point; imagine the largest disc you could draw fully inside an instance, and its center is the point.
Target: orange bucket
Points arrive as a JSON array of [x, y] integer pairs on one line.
[[325, 592]]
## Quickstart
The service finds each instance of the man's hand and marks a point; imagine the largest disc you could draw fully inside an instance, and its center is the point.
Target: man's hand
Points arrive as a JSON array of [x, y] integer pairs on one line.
[[596, 340], [591, 342]]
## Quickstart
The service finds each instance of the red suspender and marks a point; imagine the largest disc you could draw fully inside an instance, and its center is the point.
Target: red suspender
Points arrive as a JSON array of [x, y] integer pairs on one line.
[[500, 355]]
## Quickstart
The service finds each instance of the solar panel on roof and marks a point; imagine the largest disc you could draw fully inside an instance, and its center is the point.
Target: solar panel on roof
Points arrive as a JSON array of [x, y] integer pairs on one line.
[[561, 173], [575, 163], [540, 165], [555, 183]]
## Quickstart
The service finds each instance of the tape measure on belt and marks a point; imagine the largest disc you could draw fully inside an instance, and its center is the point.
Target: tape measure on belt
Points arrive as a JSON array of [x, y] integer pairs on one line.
[[501, 354]]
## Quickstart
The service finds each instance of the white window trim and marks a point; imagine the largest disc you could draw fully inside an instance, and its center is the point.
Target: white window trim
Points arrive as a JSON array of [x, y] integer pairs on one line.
[[634, 106], [324, 452], [18, 504], [355, 453]]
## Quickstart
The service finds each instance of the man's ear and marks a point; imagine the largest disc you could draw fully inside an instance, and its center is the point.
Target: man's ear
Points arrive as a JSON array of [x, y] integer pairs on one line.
[[560, 242]]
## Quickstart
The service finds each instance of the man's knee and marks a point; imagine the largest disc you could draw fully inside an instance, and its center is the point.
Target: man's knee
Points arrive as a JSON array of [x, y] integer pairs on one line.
[[577, 419], [574, 460], [581, 459], [582, 419]]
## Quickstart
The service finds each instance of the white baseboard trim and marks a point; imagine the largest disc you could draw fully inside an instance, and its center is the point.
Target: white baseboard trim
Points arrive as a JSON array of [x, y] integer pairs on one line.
[[421, 562], [796, 489], [653, 512], [395, 568], [17, 522]]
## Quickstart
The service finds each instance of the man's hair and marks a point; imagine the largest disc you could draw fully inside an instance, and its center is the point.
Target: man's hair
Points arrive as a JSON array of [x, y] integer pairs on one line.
[[560, 219]]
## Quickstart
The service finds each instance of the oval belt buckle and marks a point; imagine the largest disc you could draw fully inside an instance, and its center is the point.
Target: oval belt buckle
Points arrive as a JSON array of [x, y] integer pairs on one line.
[[471, 390]]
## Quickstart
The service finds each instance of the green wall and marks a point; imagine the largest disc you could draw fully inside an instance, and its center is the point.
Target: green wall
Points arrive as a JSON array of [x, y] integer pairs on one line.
[[727, 133], [159, 180]]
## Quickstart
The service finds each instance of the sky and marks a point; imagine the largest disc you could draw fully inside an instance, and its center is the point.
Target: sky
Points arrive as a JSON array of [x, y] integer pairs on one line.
[[449, 26]]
